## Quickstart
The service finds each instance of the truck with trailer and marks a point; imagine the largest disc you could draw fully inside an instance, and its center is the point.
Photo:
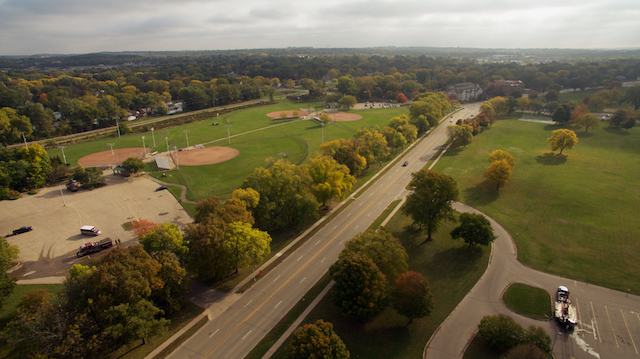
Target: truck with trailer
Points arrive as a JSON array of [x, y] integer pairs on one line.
[[564, 311], [94, 247]]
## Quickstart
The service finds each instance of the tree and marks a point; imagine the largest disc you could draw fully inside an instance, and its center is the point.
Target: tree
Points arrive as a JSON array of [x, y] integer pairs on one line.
[[401, 98], [133, 165], [533, 94], [347, 102], [316, 340], [89, 178], [246, 245], [632, 96], [165, 237], [430, 201], [586, 120], [619, 117], [143, 226], [383, 248], [411, 296], [330, 179], [346, 152], [561, 139], [7, 253], [474, 229], [460, 135], [325, 118], [551, 95], [630, 123], [559, 115], [538, 337], [525, 351], [500, 331], [128, 322], [360, 288], [502, 155], [499, 173], [523, 103]]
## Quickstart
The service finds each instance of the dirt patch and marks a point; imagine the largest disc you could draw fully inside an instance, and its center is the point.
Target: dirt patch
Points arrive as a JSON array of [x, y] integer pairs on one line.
[[288, 112], [205, 156], [344, 117], [105, 158]]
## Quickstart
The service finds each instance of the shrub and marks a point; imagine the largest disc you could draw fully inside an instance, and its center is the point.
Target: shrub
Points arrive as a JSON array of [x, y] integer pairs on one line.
[[32, 191], [13, 195]]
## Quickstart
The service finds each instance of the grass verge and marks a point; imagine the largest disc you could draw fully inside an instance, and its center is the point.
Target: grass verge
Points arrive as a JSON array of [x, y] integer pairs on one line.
[[526, 300], [384, 215]]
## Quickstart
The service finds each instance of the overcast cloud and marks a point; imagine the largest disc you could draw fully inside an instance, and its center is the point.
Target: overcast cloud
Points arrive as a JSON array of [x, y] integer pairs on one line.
[[83, 26]]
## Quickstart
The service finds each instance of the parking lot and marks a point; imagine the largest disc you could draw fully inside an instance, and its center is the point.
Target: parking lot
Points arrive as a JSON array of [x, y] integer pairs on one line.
[[49, 250]]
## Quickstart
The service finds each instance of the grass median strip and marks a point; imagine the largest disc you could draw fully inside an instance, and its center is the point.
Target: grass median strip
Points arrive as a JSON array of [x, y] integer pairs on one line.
[[526, 300]]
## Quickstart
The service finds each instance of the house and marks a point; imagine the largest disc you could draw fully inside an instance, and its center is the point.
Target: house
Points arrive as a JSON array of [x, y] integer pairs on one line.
[[507, 86], [465, 91]]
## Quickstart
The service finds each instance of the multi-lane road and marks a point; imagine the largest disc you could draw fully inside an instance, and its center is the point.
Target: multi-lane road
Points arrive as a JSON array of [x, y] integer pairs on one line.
[[234, 332]]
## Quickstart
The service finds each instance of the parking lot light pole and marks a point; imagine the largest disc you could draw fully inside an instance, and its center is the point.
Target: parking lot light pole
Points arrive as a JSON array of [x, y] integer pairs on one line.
[[554, 344], [168, 149], [112, 155], [63, 156]]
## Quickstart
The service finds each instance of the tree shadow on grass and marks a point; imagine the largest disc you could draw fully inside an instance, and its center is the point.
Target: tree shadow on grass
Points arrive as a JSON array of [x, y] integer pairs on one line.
[[455, 262], [551, 159], [375, 339], [482, 193], [617, 130], [583, 134]]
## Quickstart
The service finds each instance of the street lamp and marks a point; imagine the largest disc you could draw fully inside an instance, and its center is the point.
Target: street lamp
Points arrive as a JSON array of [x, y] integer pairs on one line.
[[186, 133], [154, 137], [63, 156], [554, 344], [112, 155], [228, 133]]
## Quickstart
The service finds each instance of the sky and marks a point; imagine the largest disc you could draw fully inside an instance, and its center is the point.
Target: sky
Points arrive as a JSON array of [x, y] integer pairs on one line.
[[29, 27]]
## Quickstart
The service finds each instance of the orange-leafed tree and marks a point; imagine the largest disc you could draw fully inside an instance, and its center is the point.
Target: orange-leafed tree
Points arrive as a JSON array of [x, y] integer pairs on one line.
[[401, 98], [411, 296], [143, 226]]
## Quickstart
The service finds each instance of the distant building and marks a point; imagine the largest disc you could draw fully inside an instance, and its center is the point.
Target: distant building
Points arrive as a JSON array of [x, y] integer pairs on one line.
[[507, 86], [465, 91]]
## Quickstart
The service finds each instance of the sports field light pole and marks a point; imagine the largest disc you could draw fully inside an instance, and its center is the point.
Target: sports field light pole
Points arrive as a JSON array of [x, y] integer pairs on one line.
[[112, 155], [168, 149], [25, 139], [63, 156], [144, 146], [175, 149], [186, 133], [322, 133], [154, 137], [118, 127], [228, 133]]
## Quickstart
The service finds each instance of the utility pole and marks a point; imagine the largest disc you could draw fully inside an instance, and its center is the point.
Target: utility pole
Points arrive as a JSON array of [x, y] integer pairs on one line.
[[112, 155], [186, 133], [228, 134], [63, 156], [118, 127], [154, 137], [24, 138]]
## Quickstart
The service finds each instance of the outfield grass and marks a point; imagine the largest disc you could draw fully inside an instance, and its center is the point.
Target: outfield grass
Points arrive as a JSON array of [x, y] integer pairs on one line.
[[574, 216], [526, 300], [451, 268]]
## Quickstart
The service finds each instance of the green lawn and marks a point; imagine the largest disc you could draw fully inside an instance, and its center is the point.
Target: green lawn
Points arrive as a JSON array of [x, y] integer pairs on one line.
[[530, 301], [574, 216], [451, 268], [580, 95]]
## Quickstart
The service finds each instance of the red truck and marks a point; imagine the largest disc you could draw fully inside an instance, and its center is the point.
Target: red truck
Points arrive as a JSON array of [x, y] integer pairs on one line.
[[94, 247]]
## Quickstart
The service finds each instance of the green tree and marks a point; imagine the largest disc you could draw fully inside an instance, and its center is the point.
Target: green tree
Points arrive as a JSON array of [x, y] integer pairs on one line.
[[330, 179], [525, 351], [619, 117], [347, 86], [500, 331], [499, 173], [460, 135], [630, 123], [133, 165], [8, 252], [586, 120], [411, 296], [360, 288], [383, 248], [317, 340], [561, 139], [551, 95], [325, 118], [430, 201], [171, 296], [559, 115], [165, 237], [89, 178], [129, 322], [474, 229], [246, 245], [632, 96], [347, 102], [373, 145], [403, 125], [502, 155]]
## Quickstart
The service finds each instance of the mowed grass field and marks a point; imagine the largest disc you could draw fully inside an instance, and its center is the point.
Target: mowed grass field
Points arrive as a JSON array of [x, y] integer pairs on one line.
[[575, 216]]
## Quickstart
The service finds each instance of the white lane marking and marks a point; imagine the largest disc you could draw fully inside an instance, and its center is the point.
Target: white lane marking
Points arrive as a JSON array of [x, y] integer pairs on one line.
[[318, 241], [356, 227], [334, 227], [276, 278], [300, 258], [303, 280], [341, 241], [248, 303], [277, 305], [246, 335], [214, 333], [323, 259]]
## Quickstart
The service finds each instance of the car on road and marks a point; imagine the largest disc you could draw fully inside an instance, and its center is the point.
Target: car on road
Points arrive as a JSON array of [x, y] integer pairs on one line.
[[161, 188], [405, 164], [22, 230]]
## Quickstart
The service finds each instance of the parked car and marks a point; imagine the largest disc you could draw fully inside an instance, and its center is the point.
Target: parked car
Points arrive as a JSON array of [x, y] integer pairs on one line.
[[22, 230], [161, 188]]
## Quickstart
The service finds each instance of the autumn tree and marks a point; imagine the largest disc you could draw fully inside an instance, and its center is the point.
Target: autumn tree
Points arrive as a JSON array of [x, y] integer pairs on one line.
[[249, 196], [460, 135], [499, 173], [411, 296], [403, 125], [360, 288], [474, 229], [502, 155], [143, 226], [401, 98], [346, 152], [317, 340], [325, 118], [431, 199], [372, 144], [382, 248], [330, 179], [523, 103], [165, 237], [586, 120], [347, 102], [247, 246], [561, 139], [8, 252], [500, 105]]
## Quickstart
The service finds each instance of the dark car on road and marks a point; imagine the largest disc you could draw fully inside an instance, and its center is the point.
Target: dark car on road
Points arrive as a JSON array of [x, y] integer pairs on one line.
[[22, 230], [161, 188], [405, 164]]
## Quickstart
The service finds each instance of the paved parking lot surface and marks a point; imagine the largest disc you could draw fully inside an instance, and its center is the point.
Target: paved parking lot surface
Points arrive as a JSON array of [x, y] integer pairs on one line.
[[49, 250]]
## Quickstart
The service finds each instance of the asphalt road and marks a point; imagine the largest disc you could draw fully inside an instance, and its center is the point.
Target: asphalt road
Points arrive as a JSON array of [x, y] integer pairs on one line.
[[234, 332]]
